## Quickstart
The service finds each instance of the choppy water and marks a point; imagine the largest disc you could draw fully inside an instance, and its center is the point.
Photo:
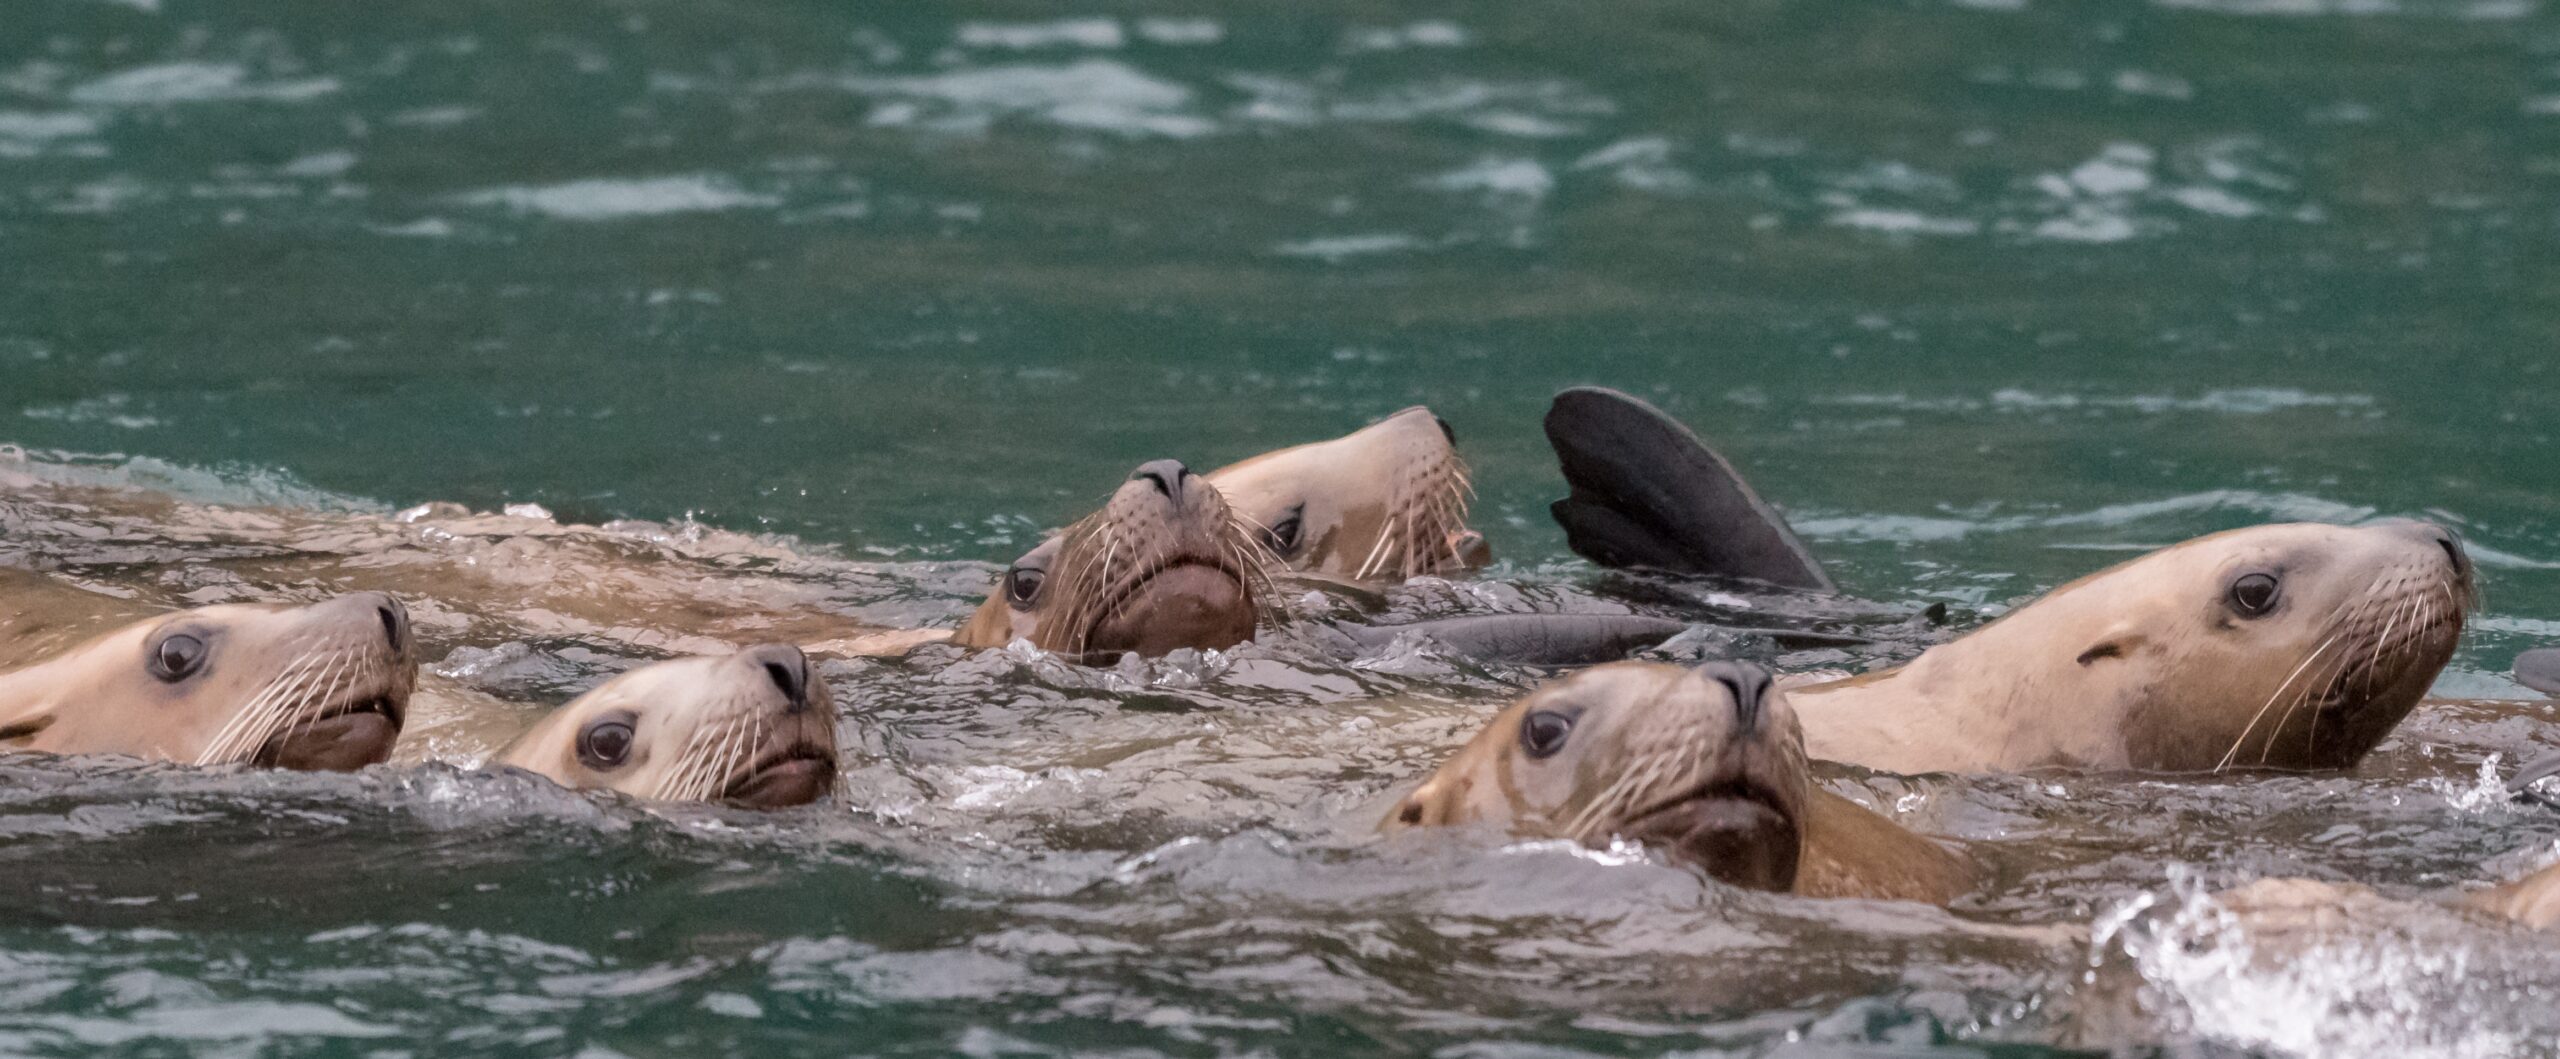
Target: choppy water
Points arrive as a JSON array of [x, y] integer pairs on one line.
[[1987, 294]]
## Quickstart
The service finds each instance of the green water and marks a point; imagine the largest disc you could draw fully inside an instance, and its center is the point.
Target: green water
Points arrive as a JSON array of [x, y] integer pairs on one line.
[[1984, 293]]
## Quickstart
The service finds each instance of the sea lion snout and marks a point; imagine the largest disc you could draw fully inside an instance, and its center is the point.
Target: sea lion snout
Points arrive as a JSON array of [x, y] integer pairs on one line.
[[1748, 685], [1170, 477], [2442, 537], [787, 667]]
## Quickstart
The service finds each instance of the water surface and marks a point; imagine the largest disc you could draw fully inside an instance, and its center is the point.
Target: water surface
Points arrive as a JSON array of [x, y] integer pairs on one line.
[[1985, 294]]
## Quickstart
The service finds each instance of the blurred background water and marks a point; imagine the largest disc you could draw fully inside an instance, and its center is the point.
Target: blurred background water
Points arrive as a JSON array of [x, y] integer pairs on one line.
[[1985, 293]]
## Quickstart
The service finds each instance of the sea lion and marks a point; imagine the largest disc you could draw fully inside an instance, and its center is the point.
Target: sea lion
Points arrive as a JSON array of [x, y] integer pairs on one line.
[[2293, 646], [1164, 565], [2539, 669], [756, 728], [1386, 502], [323, 686], [1707, 765]]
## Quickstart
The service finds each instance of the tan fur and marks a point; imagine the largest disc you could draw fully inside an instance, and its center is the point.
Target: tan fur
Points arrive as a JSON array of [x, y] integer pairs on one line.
[[1388, 502], [1667, 727], [2148, 666], [1095, 571], [267, 672], [2533, 901], [699, 726]]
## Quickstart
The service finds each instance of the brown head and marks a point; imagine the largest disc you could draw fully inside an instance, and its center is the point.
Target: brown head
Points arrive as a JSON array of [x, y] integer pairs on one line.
[[1165, 564], [756, 728], [323, 686], [1705, 764], [2285, 646], [1388, 502]]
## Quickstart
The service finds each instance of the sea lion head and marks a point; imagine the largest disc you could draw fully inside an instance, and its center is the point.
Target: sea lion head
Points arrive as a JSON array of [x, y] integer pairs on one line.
[[2288, 646], [1705, 764], [1165, 564], [755, 728], [1385, 502], [323, 686]]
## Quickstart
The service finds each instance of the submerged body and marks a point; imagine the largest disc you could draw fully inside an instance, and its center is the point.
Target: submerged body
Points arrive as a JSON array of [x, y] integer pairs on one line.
[[324, 686], [1707, 765], [2289, 646]]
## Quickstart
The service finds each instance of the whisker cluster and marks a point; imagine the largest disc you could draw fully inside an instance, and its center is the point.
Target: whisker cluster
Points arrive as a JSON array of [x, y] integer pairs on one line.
[[289, 703], [1426, 512], [2365, 641], [716, 751]]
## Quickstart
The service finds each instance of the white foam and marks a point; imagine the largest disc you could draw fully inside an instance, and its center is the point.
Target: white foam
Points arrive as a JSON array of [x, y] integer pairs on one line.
[[1503, 177], [192, 82], [1342, 247], [1024, 36], [1181, 31], [612, 199], [1099, 94]]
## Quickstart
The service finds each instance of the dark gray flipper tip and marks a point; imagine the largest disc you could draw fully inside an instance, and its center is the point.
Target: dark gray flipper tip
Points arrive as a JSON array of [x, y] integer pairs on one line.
[[2539, 669], [1648, 492], [2523, 783]]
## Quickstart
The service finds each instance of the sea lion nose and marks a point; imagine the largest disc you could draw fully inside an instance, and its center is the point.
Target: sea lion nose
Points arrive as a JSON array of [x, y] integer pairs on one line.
[[2441, 538], [1748, 684], [788, 668], [2452, 545], [1170, 477], [394, 618]]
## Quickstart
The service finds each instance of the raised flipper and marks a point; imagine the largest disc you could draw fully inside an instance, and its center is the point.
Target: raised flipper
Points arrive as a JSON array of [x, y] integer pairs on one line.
[[2525, 783], [2539, 669], [1647, 492]]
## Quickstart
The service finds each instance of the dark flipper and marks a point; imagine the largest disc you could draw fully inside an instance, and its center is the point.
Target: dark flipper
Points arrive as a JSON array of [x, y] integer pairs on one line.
[[1648, 493], [1535, 639], [2523, 783], [2539, 669]]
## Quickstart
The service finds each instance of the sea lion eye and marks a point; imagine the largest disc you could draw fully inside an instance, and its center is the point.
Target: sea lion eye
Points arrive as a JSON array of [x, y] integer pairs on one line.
[[2253, 595], [177, 658], [1282, 537], [1022, 584], [1542, 733], [605, 744]]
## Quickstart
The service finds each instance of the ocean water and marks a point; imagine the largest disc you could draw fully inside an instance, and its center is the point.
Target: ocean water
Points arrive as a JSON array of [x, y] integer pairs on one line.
[[1987, 294]]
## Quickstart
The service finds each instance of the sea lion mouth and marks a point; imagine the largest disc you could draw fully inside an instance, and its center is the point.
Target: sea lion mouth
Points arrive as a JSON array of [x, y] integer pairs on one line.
[[794, 775], [341, 738], [1734, 829], [1179, 601]]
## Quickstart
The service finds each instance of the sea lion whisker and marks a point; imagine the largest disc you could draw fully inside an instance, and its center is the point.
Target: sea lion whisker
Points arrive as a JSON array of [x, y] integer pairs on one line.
[[259, 724], [293, 717], [731, 748], [252, 714], [1369, 566], [706, 766], [2229, 755], [222, 736], [2326, 686]]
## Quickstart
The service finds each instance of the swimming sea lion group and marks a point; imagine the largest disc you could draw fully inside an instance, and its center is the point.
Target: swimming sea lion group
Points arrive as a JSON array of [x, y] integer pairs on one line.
[[2295, 647]]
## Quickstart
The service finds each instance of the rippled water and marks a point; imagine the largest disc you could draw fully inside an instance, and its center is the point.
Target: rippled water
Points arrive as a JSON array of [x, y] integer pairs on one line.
[[848, 305]]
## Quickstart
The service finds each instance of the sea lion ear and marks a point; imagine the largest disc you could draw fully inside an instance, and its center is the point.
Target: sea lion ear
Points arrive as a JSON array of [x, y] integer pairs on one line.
[[25, 725], [1414, 810], [2117, 643]]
